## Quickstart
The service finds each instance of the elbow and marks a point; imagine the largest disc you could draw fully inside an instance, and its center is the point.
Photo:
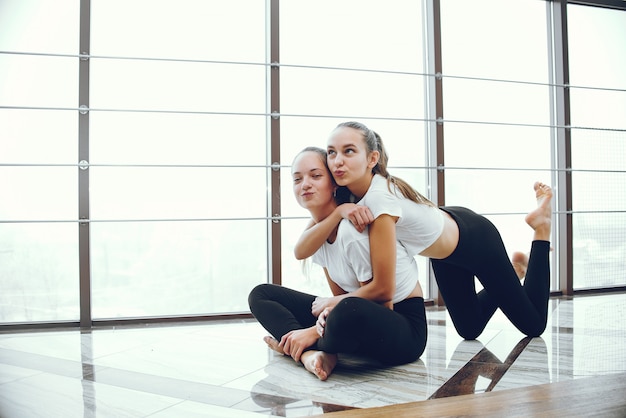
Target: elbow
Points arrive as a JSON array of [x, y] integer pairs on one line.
[[385, 295], [379, 291], [299, 254], [386, 299]]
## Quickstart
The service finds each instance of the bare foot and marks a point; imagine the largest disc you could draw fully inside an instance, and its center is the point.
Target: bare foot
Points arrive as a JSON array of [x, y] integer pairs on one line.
[[540, 219], [319, 363], [273, 344], [520, 263]]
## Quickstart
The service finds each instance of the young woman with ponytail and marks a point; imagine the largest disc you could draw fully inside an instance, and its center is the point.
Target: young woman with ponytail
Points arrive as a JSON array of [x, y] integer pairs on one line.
[[460, 244]]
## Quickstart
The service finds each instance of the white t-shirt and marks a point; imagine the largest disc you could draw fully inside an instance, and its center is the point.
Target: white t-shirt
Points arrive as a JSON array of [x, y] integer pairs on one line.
[[348, 262], [418, 225]]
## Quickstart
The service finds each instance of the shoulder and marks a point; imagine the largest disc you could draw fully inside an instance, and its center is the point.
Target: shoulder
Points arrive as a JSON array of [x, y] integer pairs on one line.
[[378, 182], [347, 233], [379, 199]]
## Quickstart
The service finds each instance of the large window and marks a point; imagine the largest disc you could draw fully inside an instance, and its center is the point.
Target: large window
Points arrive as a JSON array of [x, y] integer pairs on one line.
[[178, 194], [169, 105], [38, 146], [597, 41]]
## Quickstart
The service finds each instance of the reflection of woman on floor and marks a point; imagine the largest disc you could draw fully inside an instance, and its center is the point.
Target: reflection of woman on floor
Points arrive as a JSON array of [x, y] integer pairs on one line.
[[487, 365], [460, 244], [377, 307]]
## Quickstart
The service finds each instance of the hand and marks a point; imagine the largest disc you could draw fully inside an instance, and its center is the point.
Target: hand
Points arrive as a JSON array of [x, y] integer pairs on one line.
[[359, 215], [320, 303], [295, 342], [320, 325]]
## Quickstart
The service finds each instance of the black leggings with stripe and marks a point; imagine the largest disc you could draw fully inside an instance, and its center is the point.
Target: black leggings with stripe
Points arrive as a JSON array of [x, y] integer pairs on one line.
[[481, 254], [354, 326]]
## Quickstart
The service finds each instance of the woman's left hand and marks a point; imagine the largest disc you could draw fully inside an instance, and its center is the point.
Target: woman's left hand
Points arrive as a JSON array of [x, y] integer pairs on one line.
[[320, 303], [320, 325]]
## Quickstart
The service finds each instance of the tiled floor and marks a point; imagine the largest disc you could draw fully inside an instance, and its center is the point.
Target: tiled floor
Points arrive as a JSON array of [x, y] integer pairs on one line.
[[225, 370]]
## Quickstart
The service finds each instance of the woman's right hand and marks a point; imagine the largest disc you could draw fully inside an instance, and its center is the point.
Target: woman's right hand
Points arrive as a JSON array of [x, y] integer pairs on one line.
[[295, 342], [359, 215]]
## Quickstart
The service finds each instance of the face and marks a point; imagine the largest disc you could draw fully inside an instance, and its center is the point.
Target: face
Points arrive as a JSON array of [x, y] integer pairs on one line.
[[348, 158], [313, 185]]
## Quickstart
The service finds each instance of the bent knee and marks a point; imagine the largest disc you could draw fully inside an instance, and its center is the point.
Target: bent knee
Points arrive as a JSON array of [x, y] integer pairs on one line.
[[350, 304], [469, 333], [535, 331], [348, 312], [258, 292]]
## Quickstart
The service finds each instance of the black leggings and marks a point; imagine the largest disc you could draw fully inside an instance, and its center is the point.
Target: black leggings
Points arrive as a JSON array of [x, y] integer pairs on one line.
[[481, 253], [354, 326]]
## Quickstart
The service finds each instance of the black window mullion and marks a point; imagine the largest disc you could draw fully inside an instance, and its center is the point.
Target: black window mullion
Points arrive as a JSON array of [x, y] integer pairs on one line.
[[564, 150], [83, 167], [276, 260]]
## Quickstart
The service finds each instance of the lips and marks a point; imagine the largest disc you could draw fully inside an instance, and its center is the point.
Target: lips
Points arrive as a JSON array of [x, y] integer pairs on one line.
[[339, 173]]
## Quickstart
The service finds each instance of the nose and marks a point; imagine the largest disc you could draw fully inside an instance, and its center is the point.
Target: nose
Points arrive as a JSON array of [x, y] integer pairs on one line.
[[306, 183], [338, 160]]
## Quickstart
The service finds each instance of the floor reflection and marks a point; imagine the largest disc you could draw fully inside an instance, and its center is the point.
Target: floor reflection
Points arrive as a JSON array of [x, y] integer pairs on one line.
[[484, 364], [225, 369]]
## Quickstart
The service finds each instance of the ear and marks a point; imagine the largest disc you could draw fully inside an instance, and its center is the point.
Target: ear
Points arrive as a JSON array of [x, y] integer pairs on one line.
[[373, 159]]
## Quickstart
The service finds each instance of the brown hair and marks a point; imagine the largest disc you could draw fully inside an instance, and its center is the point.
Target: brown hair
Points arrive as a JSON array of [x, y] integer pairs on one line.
[[373, 142]]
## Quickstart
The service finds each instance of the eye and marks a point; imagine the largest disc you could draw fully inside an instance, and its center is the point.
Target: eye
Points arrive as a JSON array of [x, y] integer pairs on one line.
[[297, 180], [330, 152], [349, 151]]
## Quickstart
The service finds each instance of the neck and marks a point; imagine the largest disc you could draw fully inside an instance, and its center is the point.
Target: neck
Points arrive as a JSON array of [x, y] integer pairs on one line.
[[360, 187], [320, 213]]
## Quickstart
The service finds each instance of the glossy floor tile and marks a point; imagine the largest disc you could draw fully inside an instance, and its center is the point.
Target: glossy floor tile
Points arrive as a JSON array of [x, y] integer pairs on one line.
[[223, 369]]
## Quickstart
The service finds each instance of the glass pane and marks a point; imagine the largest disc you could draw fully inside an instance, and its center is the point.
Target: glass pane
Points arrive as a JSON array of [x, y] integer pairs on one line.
[[597, 36], [177, 86], [38, 137], [38, 193], [213, 30], [38, 81], [172, 138], [597, 40], [39, 26], [495, 102], [599, 251], [351, 94], [38, 272], [143, 269], [497, 146], [487, 162], [352, 34], [497, 39], [135, 193]]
